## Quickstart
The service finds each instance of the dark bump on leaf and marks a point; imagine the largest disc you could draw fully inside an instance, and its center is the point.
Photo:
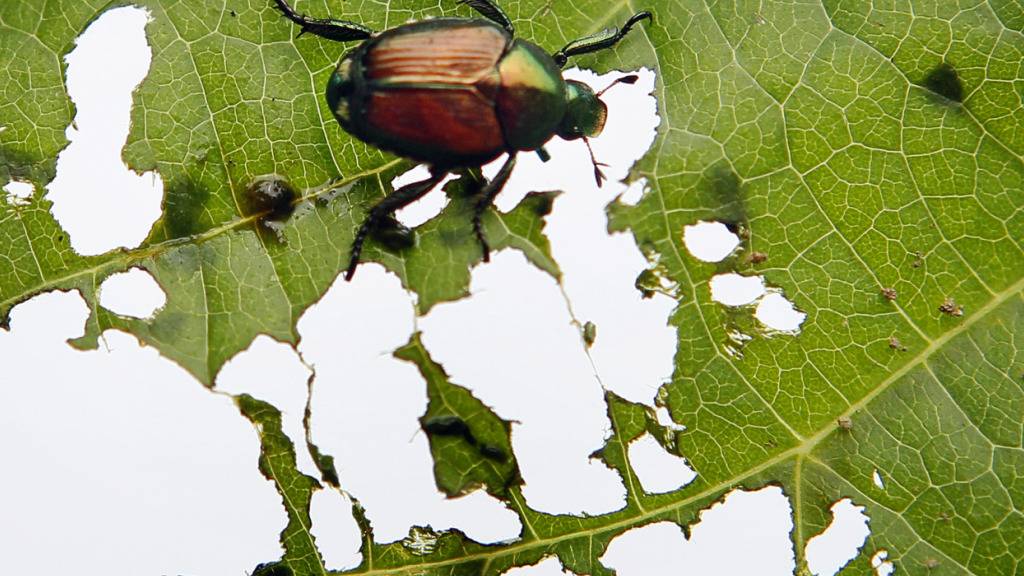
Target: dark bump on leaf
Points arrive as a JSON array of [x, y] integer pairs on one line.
[[270, 198], [272, 569], [944, 81], [448, 426], [183, 203], [493, 453]]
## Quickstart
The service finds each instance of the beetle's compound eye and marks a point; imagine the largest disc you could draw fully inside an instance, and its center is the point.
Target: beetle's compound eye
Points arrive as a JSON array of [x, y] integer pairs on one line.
[[340, 87], [585, 113]]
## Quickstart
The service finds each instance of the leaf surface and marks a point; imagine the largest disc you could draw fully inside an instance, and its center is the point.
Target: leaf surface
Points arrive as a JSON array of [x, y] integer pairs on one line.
[[857, 147]]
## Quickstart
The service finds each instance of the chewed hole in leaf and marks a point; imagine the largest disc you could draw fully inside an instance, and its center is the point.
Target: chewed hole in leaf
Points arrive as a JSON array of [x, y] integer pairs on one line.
[[723, 529], [171, 452], [19, 193], [829, 551], [710, 241], [736, 290], [665, 419], [425, 208], [658, 470], [96, 198], [778, 313], [882, 566], [517, 321], [336, 532], [589, 256], [635, 192], [134, 293], [876, 478], [281, 382], [365, 411]]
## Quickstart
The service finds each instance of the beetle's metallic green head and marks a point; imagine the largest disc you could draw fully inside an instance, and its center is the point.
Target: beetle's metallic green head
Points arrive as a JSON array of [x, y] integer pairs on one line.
[[585, 113]]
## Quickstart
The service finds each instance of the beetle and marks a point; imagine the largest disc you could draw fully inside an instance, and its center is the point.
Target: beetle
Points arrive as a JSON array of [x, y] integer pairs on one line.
[[457, 93]]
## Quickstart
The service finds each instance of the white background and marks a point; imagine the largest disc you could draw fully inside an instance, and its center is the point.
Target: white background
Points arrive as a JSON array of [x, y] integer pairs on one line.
[[118, 462]]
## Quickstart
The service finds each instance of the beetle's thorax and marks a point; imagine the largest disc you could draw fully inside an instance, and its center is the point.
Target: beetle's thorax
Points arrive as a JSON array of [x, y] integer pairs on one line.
[[531, 98]]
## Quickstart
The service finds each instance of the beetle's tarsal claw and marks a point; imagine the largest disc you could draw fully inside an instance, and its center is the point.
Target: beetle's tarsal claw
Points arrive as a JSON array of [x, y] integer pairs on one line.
[[598, 175]]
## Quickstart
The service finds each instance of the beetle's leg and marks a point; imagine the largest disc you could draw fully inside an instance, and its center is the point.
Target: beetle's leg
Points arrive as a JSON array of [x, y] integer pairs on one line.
[[337, 30], [487, 195], [492, 12], [600, 41], [389, 205]]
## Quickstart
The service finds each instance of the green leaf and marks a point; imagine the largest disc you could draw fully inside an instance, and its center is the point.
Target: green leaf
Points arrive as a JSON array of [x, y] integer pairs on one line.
[[859, 146]]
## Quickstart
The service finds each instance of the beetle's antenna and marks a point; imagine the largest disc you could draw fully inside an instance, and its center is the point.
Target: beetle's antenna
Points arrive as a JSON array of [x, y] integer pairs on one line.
[[598, 175], [630, 79]]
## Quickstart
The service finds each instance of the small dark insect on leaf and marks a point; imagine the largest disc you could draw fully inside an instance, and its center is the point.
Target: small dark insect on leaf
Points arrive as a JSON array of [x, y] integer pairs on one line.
[[918, 260], [757, 257], [889, 294], [845, 423], [895, 344], [950, 308]]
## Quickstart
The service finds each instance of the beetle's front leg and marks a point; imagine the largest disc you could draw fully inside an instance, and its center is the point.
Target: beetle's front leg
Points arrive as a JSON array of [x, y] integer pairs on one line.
[[337, 30], [385, 208], [487, 195]]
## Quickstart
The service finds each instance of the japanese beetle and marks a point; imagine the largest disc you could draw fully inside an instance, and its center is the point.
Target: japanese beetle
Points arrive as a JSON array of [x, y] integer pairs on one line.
[[457, 93]]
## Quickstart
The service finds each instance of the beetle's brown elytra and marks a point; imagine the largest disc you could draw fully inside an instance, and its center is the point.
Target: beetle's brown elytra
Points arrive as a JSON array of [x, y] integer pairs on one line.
[[457, 93]]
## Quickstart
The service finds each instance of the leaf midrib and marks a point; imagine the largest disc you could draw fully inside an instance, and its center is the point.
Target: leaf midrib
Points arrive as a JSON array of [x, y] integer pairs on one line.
[[125, 258]]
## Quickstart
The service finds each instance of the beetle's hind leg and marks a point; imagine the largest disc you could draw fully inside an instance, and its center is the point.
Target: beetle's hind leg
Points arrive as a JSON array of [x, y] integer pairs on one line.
[[380, 213], [487, 195], [492, 12], [337, 30]]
